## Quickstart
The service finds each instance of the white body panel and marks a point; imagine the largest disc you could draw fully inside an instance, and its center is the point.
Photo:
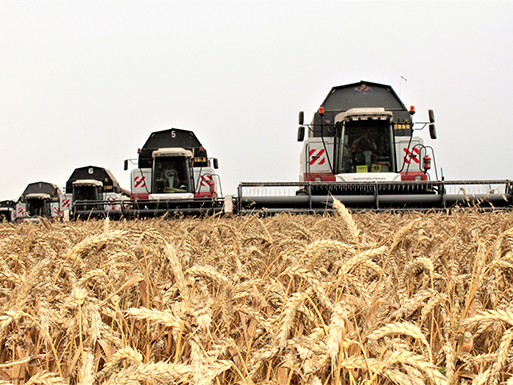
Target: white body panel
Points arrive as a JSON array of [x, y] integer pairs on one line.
[[172, 151], [369, 177], [55, 209], [21, 211], [412, 157], [140, 181], [171, 196], [205, 181], [314, 157], [365, 113], [66, 201], [114, 208]]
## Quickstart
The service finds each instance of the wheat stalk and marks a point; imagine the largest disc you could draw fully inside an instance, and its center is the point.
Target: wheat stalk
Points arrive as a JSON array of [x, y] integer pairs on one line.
[[348, 219], [404, 328]]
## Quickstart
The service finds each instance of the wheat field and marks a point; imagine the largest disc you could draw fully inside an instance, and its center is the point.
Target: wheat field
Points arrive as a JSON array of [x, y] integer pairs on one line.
[[349, 298]]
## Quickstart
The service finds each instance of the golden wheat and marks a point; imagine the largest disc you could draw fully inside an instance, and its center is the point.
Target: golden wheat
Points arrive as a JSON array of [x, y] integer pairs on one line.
[[377, 298]]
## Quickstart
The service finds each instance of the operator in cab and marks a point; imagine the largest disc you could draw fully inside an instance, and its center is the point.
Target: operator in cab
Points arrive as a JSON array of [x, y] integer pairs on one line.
[[169, 180], [364, 147]]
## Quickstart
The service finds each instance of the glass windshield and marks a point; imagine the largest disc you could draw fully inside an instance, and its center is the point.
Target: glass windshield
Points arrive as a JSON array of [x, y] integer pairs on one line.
[[171, 175], [87, 193], [38, 207], [367, 147]]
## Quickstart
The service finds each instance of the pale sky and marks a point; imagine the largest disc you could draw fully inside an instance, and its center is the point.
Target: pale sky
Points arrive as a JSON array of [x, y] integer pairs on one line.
[[86, 82]]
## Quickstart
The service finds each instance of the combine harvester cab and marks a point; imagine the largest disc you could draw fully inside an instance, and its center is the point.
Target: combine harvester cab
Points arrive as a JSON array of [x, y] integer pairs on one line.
[[40, 200], [174, 175], [360, 148], [363, 133], [93, 191], [7, 211]]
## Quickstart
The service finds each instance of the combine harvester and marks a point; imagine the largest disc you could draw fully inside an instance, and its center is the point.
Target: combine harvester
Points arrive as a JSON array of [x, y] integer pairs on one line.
[[40, 200], [7, 211], [93, 191], [361, 149], [174, 175]]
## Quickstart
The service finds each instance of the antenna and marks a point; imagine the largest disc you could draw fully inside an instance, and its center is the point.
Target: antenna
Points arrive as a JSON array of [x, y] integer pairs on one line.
[[401, 83]]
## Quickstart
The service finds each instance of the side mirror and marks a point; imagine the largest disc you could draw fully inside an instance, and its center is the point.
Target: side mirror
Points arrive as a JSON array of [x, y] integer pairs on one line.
[[301, 118], [216, 163], [432, 131], [125, 165], [301, 133], [431, 116]]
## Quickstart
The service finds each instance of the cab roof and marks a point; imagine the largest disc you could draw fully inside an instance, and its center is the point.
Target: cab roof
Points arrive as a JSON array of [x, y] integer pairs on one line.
[[363, 94], [93, 173], [170, 138], [173, 137], [41, 188]]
